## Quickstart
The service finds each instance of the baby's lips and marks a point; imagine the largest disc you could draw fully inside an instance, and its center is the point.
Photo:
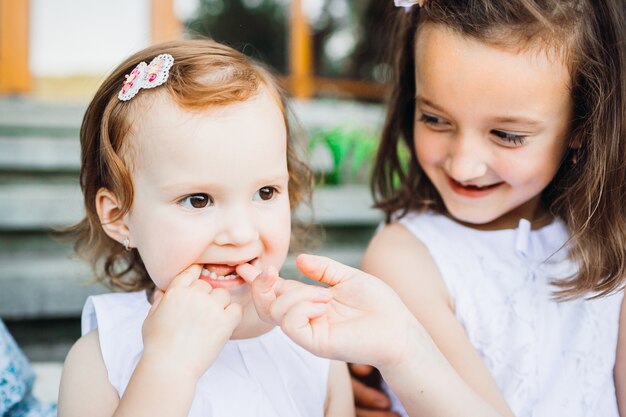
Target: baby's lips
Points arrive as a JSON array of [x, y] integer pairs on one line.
[[248, 272]]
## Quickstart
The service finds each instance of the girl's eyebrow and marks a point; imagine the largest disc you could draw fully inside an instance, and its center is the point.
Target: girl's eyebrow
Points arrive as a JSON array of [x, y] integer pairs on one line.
[[421, 100], [528, 121], [517, 120]]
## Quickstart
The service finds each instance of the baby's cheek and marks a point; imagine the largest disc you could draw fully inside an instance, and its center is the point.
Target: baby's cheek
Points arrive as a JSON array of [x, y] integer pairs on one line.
[[158, 272]]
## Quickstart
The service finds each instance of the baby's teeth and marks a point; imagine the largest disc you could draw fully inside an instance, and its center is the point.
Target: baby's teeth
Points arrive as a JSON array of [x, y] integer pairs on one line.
[[226, 278], [212, 275]]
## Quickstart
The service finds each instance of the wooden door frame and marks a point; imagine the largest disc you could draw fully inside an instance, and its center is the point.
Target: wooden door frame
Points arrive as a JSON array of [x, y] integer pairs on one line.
[[15, 75]]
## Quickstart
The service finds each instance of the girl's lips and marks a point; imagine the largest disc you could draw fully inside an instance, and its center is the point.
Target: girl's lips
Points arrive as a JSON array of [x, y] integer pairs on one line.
[[471, 190]]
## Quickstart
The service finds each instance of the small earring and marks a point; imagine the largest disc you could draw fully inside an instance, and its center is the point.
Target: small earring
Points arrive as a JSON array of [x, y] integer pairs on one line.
[[126, 243], [575, 157]]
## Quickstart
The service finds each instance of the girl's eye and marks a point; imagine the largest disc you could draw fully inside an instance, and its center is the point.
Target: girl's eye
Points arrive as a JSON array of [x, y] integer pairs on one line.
[[432, 120], [509, 138], [197, 201], [265, 193]]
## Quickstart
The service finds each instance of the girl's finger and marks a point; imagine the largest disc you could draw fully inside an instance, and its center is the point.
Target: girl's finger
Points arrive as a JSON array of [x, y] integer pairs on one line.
[[187, 277], [201, 285], [360, 370], [297, 324], [296, 296], [221, 297], [248, 272], [268, 281], [284, 285], [263, 293], [234, 313], [368, 397], [326, 270]]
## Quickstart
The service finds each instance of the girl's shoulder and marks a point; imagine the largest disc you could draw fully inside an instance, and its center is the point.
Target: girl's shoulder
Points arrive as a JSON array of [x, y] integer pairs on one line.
[[404, 261]]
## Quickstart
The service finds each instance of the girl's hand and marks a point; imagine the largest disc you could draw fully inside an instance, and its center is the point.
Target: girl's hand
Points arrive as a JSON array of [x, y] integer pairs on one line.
[[357, 319], [188, 324], [369, 399]]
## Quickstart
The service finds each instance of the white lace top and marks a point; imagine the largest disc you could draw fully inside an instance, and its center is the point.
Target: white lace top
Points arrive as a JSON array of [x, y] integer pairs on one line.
[[265, 376], [549, 358]]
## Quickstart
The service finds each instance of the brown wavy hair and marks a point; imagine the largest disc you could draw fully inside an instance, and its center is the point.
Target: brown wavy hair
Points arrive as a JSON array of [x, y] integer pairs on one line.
[[205, 74], [590, 195]]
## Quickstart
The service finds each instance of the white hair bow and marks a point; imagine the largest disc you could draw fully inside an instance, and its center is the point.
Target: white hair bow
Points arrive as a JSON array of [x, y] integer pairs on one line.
[[146, 76]]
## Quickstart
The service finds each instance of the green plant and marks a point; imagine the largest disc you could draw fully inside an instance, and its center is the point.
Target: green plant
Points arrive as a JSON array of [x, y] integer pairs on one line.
[[343, 155]]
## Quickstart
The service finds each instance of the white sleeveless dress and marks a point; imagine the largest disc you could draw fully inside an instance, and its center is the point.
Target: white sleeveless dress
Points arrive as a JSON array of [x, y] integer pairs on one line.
[[265, 376], [549, 359]]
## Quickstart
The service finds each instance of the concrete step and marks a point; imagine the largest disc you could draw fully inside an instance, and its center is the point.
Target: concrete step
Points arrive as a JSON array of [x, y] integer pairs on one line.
[[26, 117], [39, 154]]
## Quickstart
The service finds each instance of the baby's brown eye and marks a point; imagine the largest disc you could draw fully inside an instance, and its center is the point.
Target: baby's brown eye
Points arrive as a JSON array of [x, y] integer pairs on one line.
[[197, 201], [265, 193]]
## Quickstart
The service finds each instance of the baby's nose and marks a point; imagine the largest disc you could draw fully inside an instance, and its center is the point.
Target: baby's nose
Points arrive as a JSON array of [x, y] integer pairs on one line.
[[238, 227]]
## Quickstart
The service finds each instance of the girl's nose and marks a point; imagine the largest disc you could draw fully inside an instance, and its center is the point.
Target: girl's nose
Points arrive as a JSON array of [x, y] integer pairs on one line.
[[466, 160], [237, 227]]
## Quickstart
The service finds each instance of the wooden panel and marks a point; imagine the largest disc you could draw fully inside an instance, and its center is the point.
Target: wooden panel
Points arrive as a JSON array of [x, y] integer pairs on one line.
[[300, 53], [15, 75], [165, 26], [345, 88]]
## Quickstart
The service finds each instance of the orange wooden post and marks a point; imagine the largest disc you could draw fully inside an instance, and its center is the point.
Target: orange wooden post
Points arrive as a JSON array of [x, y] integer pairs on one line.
[[165, 25], [15, 74], [300, 54]]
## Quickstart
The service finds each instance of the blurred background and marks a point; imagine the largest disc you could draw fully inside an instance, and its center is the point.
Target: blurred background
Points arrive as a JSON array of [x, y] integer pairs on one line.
[[328, 54]]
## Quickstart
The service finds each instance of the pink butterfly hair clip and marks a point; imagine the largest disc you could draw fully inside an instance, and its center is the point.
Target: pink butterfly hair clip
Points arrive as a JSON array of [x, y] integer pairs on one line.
[[146, 76]]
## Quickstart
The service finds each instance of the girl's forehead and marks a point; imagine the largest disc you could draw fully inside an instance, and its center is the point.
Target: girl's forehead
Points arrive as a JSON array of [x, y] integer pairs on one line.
[[506, 39], [441, 49]]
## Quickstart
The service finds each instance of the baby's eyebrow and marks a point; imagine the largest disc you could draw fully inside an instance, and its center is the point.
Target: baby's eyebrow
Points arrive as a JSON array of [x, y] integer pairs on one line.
[[175, 186], [275, 178]]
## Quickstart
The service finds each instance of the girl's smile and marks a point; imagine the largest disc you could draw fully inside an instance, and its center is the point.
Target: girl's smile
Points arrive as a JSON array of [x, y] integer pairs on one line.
[[472, 190], [490, 125]]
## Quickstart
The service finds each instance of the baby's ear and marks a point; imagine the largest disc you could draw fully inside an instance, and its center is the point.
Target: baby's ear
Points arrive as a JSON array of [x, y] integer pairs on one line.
[[109, 207]]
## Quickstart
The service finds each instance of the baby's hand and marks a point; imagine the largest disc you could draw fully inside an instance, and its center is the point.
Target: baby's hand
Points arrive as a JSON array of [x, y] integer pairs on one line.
[[188, 324]]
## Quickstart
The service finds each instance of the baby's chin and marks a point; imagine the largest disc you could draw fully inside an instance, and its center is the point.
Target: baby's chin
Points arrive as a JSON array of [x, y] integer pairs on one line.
[[251, 325]]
